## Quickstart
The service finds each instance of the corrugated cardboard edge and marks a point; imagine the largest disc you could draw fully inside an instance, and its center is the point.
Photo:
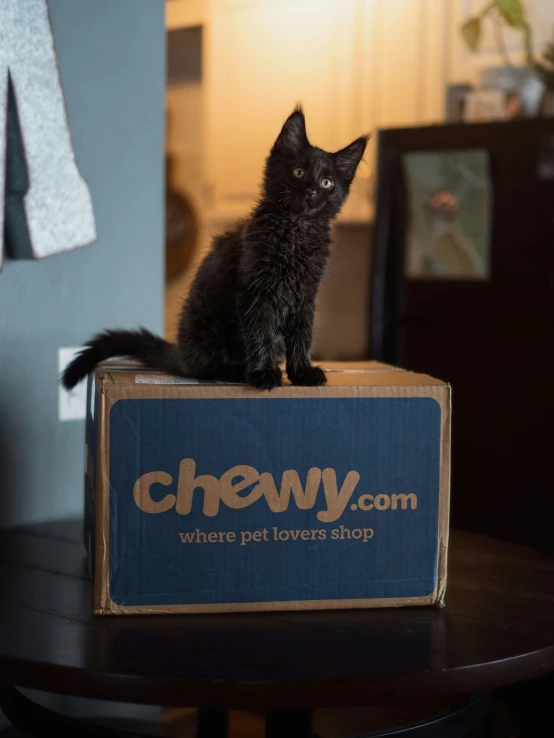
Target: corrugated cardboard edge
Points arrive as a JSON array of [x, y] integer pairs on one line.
[[285, 606], [110, 393], [444, 494]]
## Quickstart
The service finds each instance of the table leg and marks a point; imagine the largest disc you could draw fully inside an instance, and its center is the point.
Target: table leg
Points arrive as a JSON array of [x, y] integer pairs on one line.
[[212, 724], [288, 724]]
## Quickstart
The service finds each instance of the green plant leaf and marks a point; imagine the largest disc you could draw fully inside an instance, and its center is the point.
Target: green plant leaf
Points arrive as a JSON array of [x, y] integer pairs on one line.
[[512, 11], [471, 33], [528, 43]]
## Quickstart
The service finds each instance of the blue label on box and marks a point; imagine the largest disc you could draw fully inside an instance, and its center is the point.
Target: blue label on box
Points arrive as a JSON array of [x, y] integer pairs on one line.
[[245, 500]]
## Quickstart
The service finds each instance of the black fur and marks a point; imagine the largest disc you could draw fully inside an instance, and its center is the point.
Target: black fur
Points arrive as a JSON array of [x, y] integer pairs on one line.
[[252, 302]]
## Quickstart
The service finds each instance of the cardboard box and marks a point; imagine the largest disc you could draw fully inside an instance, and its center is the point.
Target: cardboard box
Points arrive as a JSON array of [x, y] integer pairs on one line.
[[207, 497]]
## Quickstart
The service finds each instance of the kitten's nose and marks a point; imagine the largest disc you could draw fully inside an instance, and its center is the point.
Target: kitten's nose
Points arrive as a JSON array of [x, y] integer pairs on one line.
[[311, 194]]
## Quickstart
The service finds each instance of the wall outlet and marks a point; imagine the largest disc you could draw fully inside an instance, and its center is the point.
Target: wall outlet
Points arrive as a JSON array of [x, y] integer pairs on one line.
[[71, 405]]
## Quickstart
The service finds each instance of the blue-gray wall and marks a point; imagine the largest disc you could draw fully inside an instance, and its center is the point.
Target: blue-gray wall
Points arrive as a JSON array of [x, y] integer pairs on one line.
[[112, 61]]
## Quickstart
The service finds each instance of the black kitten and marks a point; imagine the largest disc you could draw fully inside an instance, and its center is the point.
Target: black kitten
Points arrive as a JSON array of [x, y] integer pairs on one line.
[[252, 301]]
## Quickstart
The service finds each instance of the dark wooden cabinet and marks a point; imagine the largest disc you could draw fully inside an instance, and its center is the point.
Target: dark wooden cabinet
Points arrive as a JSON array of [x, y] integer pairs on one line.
[[493, 340]]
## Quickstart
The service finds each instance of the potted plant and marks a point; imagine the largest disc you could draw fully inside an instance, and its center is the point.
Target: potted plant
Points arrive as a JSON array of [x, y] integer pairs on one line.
[[522, 79]]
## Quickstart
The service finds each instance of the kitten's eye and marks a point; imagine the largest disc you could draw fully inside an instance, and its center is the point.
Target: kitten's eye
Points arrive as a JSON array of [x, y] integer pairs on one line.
[[298, 172], [326, 183]]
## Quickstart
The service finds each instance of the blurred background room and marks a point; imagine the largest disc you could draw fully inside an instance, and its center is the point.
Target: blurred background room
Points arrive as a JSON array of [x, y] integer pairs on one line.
[[442, 259], [237, 67]]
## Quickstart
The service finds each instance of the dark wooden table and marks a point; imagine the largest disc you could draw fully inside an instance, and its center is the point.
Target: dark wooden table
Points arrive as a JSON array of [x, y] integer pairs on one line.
[[497, 629]]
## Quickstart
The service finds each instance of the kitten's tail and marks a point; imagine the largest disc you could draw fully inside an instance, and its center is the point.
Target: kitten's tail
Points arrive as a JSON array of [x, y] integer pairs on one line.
[[151, 350]]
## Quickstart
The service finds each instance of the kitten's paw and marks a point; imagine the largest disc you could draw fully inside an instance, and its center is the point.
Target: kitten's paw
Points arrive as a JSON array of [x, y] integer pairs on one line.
[[265, 379], [310, 376]]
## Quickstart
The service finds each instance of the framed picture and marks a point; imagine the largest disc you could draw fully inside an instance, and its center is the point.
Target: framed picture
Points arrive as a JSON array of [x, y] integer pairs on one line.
[[448, 232]]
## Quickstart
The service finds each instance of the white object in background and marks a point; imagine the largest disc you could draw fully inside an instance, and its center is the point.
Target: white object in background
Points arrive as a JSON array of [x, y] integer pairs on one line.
[[48, 207], [521, 80], [92, 403], [71, 405]]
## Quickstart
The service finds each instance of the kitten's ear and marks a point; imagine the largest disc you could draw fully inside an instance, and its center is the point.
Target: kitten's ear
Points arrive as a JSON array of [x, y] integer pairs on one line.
[[293, 133], [347, 159]]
